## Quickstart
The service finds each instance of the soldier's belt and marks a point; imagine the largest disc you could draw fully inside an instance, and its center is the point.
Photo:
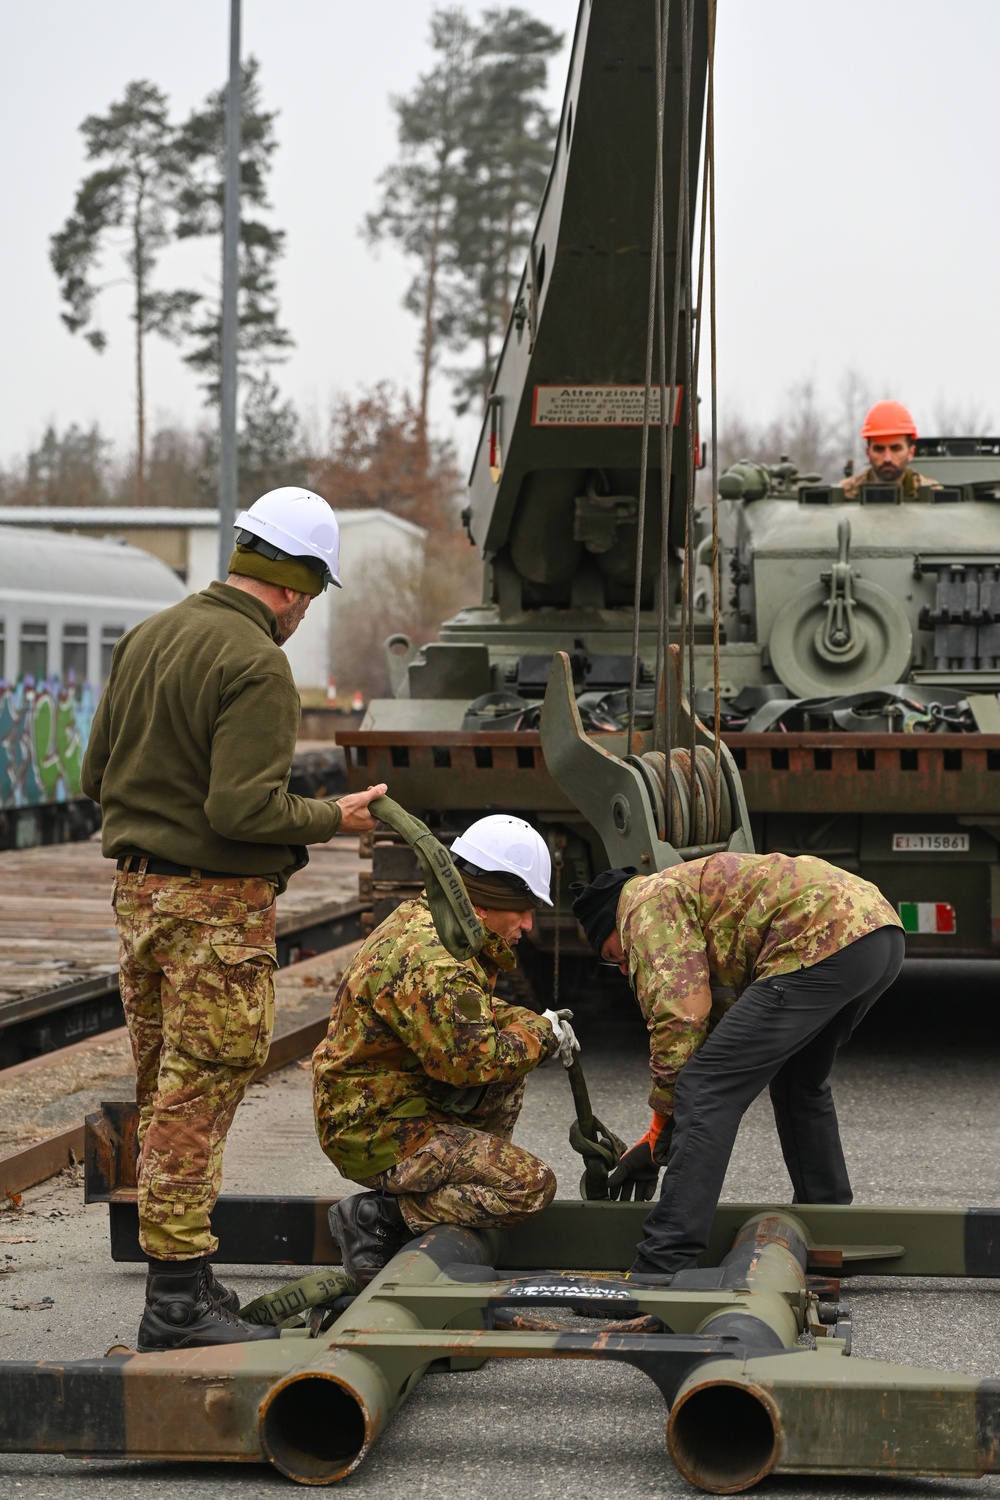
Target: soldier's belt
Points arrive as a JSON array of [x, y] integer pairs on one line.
[[155, 866]]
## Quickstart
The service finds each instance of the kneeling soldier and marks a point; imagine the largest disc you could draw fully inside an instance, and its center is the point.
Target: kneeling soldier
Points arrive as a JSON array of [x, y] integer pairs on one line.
[[419, 1081], [751, 970]]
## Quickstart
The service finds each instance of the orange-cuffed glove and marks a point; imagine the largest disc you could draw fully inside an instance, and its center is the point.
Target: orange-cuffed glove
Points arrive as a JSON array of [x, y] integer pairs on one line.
[[638, 1168]]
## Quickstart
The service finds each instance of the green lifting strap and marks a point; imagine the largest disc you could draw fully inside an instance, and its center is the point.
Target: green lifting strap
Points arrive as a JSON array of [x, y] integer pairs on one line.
[[284, 1307], [458, 927]]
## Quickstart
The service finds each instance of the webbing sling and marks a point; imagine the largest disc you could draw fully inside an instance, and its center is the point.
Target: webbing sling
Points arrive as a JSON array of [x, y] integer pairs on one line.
[[458, 927], [285, 1306]]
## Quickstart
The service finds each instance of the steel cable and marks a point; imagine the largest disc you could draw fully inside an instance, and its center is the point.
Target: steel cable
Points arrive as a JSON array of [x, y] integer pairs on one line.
[[664, 686], [648, 392], [716, 580]]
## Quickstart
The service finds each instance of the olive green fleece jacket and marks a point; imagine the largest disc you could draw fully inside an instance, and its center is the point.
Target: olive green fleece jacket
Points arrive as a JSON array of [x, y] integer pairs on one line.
[[191, 746]]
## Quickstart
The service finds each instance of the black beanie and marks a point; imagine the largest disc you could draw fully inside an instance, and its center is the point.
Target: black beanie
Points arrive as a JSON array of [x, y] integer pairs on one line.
[[596, 904]]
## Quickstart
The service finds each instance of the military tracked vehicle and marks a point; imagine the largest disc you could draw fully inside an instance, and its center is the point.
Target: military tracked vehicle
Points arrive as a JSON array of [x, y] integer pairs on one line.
[[860, 673], [820, 600]]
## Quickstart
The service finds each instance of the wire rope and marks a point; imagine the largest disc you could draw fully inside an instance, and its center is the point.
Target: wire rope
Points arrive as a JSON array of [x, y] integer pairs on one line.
[[648, 391]]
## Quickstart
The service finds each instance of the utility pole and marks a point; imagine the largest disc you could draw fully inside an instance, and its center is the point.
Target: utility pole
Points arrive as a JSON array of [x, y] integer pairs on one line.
[[228, 458]]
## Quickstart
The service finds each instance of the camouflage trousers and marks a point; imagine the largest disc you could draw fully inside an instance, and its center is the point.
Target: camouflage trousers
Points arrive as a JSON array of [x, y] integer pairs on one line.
[[471, 1174], [196, 960]]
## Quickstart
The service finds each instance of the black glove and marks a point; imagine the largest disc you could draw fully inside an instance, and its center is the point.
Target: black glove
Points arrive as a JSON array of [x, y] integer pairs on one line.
[[635, 1175], [662, 1148]]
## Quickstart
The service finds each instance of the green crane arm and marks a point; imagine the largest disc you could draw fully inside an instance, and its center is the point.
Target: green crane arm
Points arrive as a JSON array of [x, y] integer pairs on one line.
[[556, 474]]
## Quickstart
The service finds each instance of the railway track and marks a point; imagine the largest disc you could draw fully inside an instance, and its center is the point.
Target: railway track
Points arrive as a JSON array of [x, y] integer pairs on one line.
[[324, 928], [37, 1163], [59, 979], [48, 1020]]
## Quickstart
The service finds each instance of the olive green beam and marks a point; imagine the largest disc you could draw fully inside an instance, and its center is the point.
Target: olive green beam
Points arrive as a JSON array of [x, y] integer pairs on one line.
[[819, 1412], [601, 1236], [933, 1241]]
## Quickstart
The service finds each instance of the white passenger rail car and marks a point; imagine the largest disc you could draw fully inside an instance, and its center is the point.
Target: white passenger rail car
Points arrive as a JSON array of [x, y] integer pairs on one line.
[[64, 602]]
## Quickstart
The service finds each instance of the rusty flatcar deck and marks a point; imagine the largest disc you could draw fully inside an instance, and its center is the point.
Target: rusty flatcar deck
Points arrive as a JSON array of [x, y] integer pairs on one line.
[[58, 947]]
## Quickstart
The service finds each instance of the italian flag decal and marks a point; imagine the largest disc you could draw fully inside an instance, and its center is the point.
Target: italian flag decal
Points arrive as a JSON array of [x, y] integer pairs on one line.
[[927, 916]]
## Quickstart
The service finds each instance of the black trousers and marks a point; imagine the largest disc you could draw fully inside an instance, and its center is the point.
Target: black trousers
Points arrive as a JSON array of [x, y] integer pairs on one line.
[[782, 1032]]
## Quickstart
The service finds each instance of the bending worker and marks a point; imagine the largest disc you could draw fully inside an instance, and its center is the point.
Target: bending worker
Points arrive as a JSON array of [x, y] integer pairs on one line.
[[419, 1081], [189, 756], [794, 952], [890, 435]]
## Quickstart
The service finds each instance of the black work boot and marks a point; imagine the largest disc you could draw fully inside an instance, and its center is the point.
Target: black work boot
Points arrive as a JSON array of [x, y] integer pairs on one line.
[[180, 1314], [370, 1230], [222, 1296]]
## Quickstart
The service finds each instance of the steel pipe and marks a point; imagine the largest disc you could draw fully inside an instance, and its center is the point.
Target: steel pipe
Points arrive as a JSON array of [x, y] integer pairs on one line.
[[318, 1424], [798, 1410], [815, 1412]]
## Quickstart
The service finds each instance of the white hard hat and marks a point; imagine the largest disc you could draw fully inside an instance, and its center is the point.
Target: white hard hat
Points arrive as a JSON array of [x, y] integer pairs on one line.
[[508, 846], [296, 523]]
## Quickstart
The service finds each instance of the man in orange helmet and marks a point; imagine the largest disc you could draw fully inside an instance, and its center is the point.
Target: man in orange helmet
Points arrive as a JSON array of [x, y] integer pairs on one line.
[[890, 435]]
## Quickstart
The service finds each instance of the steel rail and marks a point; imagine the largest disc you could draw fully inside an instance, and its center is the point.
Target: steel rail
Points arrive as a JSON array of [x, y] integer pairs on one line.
[[37, 1163], [332, 915]]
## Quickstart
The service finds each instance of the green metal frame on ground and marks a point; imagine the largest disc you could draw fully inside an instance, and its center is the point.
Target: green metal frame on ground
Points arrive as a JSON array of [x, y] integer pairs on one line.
[[751, 1351]]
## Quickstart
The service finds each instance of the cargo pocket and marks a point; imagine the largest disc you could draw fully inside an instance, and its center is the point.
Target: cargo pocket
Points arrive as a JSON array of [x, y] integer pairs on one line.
[[174, 1215], [248, 1005], [192, 904]]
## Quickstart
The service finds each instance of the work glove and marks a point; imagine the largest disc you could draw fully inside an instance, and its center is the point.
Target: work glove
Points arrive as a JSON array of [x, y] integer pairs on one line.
[[565, 1035], [635, 1175], [639, 1167]]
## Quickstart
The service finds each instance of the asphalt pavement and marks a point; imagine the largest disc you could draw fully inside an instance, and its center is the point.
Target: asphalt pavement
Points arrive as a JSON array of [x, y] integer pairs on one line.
[[918, 1101]]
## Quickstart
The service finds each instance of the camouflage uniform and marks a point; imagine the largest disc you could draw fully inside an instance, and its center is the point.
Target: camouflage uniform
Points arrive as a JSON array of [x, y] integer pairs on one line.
[[419, 1080], [911, 482], [751, 971], [697, 934], [196, 959]]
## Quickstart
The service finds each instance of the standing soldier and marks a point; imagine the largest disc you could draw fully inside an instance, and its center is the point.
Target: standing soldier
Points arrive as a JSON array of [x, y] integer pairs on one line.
[[751, 970], [189, 756], [890, 435], [419, 1082]]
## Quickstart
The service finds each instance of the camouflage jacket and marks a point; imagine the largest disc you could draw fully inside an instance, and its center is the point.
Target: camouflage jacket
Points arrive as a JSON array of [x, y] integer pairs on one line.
[[697, 934], [414, 1037], [910, 482]]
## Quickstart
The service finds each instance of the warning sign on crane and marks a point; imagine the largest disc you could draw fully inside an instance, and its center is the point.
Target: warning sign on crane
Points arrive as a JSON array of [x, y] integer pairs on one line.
[[598, 405]]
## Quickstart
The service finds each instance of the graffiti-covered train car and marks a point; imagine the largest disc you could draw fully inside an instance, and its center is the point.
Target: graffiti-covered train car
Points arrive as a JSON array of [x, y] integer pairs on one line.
[[64, 601]]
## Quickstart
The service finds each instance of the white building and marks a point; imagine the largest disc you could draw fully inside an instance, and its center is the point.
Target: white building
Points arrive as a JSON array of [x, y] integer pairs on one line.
[[187, 540]]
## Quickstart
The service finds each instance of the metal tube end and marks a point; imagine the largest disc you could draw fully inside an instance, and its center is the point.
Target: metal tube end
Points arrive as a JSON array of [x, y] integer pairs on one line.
[[316, 1429], [723, 1436]]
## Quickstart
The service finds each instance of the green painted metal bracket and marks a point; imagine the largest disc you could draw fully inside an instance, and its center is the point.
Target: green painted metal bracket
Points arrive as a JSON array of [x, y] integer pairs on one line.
[[614, 795]]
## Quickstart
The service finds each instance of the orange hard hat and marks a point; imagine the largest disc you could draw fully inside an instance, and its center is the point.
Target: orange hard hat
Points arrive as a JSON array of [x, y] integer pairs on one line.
[[889, 419]]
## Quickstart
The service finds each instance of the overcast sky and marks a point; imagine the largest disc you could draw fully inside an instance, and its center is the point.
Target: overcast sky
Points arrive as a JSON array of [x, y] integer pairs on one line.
[[857, 189]]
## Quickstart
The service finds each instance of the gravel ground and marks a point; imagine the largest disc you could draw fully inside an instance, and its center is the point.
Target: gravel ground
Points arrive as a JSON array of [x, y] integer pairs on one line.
[[917, 1096]]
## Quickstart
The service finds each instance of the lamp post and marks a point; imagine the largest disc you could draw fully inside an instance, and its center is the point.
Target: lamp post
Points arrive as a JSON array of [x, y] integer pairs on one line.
[[228, 457]]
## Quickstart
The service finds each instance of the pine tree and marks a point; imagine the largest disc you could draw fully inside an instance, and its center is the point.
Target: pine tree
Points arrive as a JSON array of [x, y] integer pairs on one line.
[[133, 190], [475, 141], [270, 444], [418, 191], [201, 145], [508, 137]]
